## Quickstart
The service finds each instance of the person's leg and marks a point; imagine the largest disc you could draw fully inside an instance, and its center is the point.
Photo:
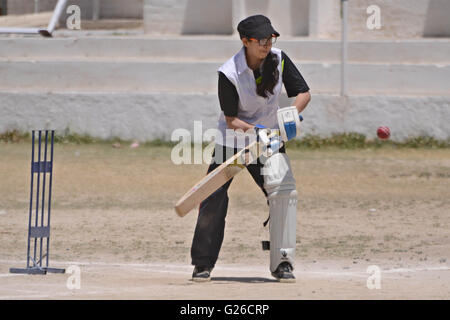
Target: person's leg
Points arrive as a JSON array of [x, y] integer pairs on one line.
[[209, 231], [256, 173], [279, 183]]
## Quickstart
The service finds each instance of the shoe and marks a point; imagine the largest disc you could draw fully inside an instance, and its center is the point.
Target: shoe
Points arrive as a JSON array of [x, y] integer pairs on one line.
[[284, 273], [201, 274]]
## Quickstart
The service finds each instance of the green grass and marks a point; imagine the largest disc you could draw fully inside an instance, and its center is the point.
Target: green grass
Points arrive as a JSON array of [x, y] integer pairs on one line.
[[13, 136], [350, 140]]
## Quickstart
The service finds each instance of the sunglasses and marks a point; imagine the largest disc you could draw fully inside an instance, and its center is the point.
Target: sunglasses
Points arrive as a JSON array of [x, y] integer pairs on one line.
[[264, 42]]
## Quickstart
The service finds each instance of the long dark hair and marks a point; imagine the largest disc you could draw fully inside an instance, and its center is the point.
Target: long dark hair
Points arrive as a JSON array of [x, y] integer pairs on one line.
[[270, 75]]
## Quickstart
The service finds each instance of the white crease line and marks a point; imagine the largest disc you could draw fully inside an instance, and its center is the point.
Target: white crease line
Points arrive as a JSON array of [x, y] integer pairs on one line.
[[5, 275], [400, 270], [55, 296], [334, 273], [23, 297], [184, 269]]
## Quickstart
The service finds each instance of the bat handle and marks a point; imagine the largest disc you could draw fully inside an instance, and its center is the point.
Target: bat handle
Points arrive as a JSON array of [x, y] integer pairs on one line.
[[263, 137], [300, 117]]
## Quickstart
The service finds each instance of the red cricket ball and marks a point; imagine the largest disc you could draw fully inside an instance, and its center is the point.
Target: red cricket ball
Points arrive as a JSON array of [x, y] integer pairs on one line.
[[383, 132]]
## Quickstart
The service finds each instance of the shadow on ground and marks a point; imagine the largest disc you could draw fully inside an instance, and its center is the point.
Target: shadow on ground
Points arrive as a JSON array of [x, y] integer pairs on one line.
[[243, 279]]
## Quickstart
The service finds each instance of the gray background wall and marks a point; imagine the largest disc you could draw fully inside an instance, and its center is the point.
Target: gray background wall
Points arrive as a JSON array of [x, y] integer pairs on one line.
[[316, 18], [109, 9], [144, 86]]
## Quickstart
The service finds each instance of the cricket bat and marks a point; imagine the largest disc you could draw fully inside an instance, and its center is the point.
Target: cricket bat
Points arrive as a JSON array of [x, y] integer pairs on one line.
[[219, 176]]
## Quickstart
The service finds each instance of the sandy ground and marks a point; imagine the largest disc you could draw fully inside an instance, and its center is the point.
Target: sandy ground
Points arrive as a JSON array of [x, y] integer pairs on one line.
[[113, 217], [26, 20]]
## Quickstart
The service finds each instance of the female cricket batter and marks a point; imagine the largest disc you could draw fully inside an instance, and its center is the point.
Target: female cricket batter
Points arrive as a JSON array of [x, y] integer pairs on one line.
[[249, 87]]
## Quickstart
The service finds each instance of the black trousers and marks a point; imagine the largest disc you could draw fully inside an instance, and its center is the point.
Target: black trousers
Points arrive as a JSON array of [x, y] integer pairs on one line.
[[209, 231]]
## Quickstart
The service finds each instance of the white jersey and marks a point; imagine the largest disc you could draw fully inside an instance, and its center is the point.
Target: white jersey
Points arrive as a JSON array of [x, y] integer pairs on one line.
[[252, 108]]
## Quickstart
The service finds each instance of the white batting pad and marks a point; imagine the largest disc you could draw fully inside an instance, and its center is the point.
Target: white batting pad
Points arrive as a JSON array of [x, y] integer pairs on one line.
[[279, 183]]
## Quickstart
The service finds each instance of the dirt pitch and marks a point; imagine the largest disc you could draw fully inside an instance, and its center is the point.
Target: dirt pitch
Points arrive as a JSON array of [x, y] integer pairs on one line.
[[113, 217]]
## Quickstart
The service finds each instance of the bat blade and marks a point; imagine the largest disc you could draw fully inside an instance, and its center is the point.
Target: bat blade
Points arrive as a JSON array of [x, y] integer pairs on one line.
[[219, 176]]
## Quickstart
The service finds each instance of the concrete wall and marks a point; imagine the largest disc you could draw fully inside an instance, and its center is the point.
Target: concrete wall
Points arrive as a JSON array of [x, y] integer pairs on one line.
[[27, 6], [290, 17], [142, 75], [400, 19], [112, 9], [164, 16], [109, 9], [221, 17], [188, 17], [3, 6], [146, 87], [437, 23], [317, 18], [218, 49], [324, 19], [148, 116]]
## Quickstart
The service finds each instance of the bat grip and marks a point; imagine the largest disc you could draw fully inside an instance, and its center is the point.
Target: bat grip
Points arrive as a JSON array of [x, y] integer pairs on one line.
[[262, 135]]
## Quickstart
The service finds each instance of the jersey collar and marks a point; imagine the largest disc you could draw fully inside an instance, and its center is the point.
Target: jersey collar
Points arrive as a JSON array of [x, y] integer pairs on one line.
[[241, 62]]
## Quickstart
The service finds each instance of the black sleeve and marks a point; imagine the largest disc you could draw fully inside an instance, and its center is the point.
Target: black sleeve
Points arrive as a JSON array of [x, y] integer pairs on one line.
[[292, 78], [228, 96]]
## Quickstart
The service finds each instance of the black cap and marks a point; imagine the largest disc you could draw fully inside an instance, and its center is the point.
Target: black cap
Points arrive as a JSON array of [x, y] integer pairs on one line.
[[257, 26]]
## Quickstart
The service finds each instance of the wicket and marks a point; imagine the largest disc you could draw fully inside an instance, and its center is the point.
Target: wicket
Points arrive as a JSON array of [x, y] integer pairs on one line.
[[39, 230]]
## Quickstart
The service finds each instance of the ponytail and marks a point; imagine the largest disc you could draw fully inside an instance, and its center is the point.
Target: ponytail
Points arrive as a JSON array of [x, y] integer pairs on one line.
[[270, 76]]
